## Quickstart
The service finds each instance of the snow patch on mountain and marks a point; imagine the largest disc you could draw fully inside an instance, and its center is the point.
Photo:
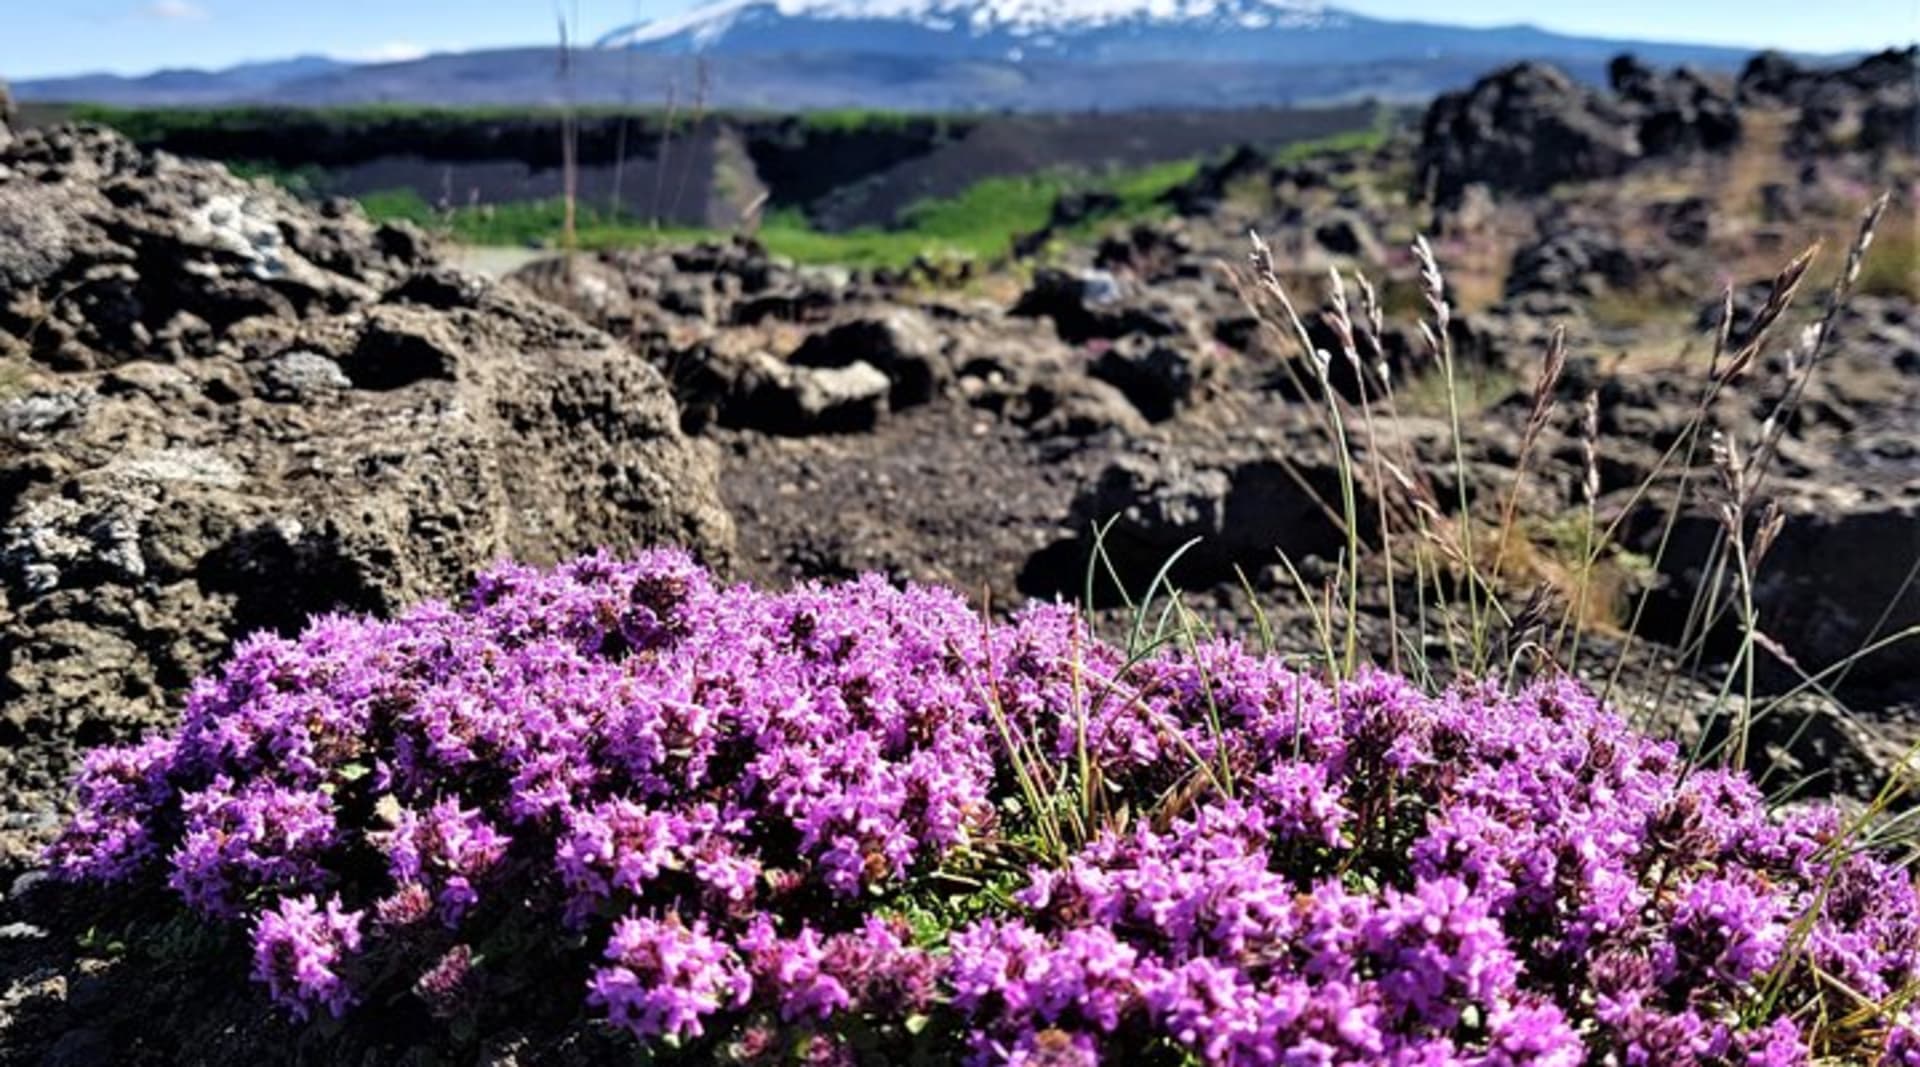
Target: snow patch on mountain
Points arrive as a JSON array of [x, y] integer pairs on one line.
[[1015, 17], [710, 18]]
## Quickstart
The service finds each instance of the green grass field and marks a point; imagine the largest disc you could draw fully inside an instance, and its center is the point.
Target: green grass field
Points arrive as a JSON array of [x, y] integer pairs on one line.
[[980, 223]]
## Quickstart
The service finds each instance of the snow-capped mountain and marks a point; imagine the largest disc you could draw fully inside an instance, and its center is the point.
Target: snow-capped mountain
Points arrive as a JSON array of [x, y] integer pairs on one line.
[[1082, 30], [984, 29], [940, 55], [1283, 33]]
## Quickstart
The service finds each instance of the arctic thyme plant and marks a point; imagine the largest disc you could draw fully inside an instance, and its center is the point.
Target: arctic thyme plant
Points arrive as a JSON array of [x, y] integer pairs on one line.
[[859, 823]]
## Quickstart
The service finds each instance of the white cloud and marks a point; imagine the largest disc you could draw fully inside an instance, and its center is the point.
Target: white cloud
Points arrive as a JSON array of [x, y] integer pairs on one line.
[[386, 52], [174, 10]]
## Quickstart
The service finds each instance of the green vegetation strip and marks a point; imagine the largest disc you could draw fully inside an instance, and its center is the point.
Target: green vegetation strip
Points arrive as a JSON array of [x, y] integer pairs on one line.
[[979, 223]]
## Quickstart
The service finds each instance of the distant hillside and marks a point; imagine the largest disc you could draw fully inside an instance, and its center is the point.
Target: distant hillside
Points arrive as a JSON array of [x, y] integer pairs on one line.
[[930, 55], [180, 87]]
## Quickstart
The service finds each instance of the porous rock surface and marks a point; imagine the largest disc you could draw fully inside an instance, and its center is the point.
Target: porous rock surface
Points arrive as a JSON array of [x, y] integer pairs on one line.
[[1530, 126], [221, 410]]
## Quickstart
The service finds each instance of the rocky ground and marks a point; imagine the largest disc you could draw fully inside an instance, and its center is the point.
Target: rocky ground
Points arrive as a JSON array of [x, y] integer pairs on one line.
[[221, 409], [963, 435]]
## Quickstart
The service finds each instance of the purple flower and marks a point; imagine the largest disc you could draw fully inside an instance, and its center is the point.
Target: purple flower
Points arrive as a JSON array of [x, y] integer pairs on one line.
[[1731, 926], [240, 838], [793, 972], [446, 987], [119, 792], [450, 848], [298, 949], [1902, 1043], [718, 808], [665, 979]]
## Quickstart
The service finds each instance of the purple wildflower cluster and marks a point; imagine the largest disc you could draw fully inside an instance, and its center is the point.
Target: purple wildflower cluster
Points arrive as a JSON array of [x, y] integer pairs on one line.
[[729, 804]]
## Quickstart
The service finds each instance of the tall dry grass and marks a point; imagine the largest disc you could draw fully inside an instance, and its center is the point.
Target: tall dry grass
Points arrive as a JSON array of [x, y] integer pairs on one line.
[[1437, 554]]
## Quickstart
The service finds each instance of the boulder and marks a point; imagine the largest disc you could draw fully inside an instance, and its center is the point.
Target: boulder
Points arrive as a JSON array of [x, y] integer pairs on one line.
[[1528, 127], [1069, 210], [1075, 301], [775, 396], [1871, 105], [1346, 233], [596, 288], [102, 248], [1524, 128], [1676, 112], [1769, 78], [1072, 405], [901, 343], [1026, 376], [1152, 502], [1772, 78], [1093, 305], [6, 116], [1688, 221], [338, 423], [1149, 250], [1891, 122], [1205, 191], [1833, 583], [1160, 375], [1583, 261]]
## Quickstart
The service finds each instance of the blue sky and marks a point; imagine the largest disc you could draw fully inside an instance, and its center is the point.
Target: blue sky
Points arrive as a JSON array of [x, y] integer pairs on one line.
[[44, 37]]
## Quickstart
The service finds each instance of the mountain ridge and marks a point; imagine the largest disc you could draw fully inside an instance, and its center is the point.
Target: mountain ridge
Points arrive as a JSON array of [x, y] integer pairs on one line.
[[1279, 32], [930, 55]]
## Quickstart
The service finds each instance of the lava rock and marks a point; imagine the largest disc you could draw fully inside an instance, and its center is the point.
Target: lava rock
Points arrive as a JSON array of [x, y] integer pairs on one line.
[[1829, 587], [1579, 261], [1069, 405], [1203, 192], [1524, 128], [127, 242], [1094, 306], [1769, 77], [1077, 302], [775, 396], [1151, 504], [1160, 375], [1149, 250], [1772, 78], [1069, 210], [1687, 222], [347, 436], [1872, 105], [1677, 112], [1528, 127], [401, 346], [1346, 233], [299, 375], [901, 342]]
